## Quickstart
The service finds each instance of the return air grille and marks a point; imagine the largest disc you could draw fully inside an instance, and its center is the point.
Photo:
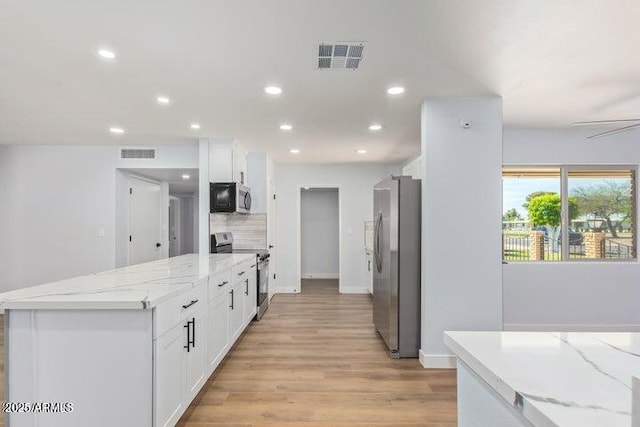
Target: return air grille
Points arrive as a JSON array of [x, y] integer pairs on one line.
[[340, 55], [137, 153]]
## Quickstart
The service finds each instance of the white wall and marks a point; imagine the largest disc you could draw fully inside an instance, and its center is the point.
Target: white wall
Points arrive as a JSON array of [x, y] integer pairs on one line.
[[356, 202], [56, 199], [187, 216], [571, 295], [320, 231], [461, 265]]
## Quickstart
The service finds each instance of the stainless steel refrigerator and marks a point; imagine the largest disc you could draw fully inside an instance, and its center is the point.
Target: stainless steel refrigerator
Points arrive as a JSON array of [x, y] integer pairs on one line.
[[396, 273]]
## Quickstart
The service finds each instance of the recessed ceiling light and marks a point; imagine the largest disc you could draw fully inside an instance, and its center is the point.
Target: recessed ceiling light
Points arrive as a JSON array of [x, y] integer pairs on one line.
[[361, 151], [163, 100], [294, 151], [106, 54], [273, 90], [185, 176], [286, 127], [375, 126], [116, 130], [195, 126], [395, 90]]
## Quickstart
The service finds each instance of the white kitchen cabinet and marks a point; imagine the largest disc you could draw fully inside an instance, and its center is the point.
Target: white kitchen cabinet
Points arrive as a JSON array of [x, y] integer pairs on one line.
[[219, 312], [170, 355], [180, 367], [236, 314], [227, 161], [196, 359], [251, 294]]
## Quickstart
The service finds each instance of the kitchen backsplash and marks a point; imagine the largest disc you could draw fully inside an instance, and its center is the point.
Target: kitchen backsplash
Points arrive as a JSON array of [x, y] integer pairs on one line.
[[249, 231]]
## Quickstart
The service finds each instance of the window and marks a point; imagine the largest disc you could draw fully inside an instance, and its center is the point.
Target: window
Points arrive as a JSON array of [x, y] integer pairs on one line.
[[561, 213]]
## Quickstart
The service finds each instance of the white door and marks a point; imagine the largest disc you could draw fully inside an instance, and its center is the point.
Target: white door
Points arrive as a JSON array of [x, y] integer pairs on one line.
[[174, 226], [271, 238], [145, 221]]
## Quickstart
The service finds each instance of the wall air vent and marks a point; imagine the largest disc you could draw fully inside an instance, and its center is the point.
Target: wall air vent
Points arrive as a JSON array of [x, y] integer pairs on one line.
[[137, 153], [340, 55]]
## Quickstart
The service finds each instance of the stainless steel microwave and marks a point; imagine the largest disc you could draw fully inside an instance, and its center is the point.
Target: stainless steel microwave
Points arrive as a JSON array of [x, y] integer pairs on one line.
[[229, 197]]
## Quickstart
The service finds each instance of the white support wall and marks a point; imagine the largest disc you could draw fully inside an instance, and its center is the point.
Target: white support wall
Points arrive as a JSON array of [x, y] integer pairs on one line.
[[56, 200], [461, 223]]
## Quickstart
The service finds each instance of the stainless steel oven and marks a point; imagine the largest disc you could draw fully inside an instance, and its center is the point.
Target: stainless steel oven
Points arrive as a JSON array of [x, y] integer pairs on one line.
[[263, 284]]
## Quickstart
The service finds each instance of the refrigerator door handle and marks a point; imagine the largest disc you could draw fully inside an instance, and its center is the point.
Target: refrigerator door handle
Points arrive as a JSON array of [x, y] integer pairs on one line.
[[377, 252]]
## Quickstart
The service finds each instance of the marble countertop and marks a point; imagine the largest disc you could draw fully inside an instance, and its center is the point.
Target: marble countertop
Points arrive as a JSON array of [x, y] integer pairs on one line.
[[556, 379], [141, 286]]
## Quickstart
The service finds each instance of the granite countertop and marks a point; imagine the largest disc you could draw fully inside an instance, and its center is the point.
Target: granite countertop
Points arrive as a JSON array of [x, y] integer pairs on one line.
[[141, 286], [556, 379]]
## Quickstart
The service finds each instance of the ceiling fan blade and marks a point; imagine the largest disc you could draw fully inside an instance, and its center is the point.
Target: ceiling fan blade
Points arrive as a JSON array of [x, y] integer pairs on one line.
[[611, 132], [604, 122]]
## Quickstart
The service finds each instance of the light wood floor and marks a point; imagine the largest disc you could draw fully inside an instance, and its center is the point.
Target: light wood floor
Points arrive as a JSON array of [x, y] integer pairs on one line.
[[316, 360]]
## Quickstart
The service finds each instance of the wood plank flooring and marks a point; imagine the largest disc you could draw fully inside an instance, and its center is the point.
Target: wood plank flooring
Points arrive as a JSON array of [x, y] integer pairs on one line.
[[316, 360]]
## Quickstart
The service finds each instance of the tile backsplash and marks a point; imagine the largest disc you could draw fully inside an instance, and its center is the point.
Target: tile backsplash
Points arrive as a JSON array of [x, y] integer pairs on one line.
[[249, 231]]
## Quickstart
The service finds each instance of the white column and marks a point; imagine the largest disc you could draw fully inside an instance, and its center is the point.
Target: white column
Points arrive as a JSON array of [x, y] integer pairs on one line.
[[461, 221], [203, 197]]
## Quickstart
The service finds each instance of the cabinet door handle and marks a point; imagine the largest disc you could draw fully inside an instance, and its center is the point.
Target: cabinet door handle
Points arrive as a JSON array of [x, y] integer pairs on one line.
[[246, 286], [222, 284], [241, 273], [190, 304], [190, 338], [193, 334], [231, 306]]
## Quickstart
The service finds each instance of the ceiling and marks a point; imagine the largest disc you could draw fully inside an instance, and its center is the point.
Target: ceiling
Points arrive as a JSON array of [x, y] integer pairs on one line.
[[554, 62], [177, 184]]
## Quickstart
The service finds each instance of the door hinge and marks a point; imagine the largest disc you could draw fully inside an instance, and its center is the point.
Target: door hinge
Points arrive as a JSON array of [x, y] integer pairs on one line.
[[129, 237], [274, 197], [274, 276], [130, 190]]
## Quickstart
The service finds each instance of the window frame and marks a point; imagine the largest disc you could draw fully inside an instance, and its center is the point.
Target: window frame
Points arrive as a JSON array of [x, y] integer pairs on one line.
[[565, 169]]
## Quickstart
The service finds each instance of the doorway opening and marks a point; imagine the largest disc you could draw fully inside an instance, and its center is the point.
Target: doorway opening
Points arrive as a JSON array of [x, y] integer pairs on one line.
[[319, 240], [156, 214]]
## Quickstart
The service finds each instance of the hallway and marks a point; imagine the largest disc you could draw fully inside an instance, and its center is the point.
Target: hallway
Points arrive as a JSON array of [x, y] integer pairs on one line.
[[316, 360]]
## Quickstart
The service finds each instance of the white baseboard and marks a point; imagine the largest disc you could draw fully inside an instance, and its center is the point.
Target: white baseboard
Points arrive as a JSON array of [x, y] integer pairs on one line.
[[354, 290], [287, 290], [530, 327], [320, 276], [437, 361]]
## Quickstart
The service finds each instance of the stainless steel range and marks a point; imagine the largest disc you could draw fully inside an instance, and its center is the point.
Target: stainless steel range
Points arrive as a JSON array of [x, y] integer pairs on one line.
[[223, 243]]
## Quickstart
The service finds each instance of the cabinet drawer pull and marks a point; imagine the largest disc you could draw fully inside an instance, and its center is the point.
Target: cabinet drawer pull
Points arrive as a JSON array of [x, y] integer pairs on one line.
[[241, 273], [190, 304], [222, 284]]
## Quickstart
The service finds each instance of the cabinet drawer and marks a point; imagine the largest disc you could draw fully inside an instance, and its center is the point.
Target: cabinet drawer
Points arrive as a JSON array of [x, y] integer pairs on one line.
[[243, 270], [219, 284], [175, 310]]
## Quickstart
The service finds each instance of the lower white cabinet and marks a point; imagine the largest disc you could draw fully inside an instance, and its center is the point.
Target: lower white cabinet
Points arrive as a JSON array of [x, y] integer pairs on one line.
[[219, 313], [170, 356], [236, 313], [197, 331], [250, 295], [194, 332]]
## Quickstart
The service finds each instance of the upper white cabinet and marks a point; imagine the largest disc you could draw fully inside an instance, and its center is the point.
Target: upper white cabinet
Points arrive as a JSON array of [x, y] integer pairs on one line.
[[260, 169], [227, 161]]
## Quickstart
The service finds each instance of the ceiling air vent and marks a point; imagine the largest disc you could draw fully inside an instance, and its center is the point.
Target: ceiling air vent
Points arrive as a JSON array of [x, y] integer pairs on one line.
[[137, 153], [340, 55]]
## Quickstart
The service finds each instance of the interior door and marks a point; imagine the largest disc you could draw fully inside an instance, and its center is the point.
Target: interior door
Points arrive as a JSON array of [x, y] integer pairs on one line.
[[174, 226], [145, 221], [271, 238]]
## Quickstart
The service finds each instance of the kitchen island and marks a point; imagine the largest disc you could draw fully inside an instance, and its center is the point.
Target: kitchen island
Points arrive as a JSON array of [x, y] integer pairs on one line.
[[545, 379], [126, 347]]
